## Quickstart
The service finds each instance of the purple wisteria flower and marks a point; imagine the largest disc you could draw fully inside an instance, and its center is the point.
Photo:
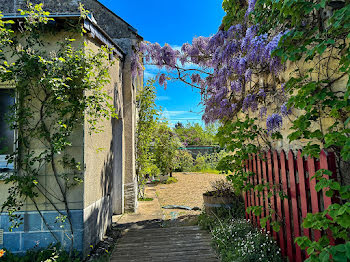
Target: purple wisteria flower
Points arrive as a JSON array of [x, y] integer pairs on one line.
[[250, 102], [262, 112], [162, 80], [229, 57], [251, 6], [262, 93], [196, 78], [248, 75], [285, 111], [273, 123]]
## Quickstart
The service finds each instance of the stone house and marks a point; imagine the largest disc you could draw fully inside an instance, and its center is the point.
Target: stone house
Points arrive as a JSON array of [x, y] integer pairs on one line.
[[110, 184]]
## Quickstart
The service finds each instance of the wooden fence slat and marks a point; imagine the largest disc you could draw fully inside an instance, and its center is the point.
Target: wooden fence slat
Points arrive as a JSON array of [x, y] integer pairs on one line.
[[271, 183], [313, 192], [287, 220], [327, 201], [324, 165], [249, 191], [261, 202], [252, 197], [264, 170], [287, 176], [246, 194], [256, 182], [278, 201], [302, 190], [295, 208]]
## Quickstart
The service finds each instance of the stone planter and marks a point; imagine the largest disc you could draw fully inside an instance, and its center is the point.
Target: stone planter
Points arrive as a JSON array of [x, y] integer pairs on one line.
[[212, 202]]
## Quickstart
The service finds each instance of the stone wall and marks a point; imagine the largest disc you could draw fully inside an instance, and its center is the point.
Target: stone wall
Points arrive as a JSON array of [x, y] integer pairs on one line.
[[34, 234]]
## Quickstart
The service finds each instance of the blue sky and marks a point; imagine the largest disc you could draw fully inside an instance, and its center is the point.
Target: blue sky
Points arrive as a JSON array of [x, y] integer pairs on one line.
[[175, 23]]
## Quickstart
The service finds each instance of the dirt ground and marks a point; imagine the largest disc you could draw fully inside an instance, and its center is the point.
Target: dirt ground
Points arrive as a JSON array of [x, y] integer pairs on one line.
[[188, 191]]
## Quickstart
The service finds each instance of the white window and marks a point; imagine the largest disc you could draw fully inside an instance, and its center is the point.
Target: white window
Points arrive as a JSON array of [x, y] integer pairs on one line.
[[7, 135]]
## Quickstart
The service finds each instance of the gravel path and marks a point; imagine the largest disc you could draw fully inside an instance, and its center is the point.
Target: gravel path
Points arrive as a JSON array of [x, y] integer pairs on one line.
[[188, 191]]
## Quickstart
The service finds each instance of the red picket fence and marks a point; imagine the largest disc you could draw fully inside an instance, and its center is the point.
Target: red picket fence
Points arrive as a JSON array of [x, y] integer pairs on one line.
[[290, 176]]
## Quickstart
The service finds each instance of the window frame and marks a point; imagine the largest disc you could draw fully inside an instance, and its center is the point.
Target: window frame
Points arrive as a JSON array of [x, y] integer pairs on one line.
[[7, 172]]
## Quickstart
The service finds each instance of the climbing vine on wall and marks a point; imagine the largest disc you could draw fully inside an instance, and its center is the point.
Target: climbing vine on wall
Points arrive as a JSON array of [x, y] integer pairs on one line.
[[56, 91]]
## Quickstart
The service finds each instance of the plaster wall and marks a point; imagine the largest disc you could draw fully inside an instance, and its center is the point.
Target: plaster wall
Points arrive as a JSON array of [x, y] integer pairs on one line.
[[34, 232], [46, 178], [101, 163]]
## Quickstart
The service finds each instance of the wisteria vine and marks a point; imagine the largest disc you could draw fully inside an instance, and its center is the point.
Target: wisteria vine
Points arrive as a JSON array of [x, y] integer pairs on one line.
[[226, 67]]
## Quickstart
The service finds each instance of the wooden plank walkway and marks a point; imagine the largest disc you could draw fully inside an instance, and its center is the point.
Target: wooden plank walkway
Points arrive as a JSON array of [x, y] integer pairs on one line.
[[173, 244]]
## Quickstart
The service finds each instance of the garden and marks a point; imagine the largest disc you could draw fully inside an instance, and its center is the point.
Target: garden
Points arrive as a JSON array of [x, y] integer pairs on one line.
[[275, 87], [276, 77]]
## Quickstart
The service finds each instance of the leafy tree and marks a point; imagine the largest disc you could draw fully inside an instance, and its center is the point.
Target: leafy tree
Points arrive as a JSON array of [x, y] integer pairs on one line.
[[165, 145], [146, 126], [195, 134]]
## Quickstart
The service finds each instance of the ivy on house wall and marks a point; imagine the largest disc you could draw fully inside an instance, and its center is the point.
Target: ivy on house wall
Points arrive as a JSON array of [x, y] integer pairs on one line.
[[56, 91]]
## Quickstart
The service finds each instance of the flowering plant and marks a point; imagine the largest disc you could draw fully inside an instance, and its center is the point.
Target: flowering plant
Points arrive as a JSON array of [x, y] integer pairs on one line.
[[238, 240]]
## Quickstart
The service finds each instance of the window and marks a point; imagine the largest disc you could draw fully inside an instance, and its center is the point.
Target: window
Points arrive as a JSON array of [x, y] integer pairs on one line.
[[7, 135]]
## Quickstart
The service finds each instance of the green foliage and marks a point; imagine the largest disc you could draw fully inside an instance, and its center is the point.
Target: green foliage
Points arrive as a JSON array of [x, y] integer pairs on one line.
[[240, 137], [170, 180], [50, 254], [235, 12], [237, 240], [319, 35], [183, 161], [207, 162], [146, 199], [165, 145], [221, 215], [55, 92], [146, 126], [195, 134]]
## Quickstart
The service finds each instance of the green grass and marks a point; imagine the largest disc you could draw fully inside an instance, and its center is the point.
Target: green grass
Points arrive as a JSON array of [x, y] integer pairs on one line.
[[211, 171], [146, 199]]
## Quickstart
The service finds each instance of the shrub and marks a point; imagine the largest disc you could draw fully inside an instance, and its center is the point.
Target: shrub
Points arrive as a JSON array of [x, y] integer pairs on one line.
[[237, 240], [170, 180], [221, 188], [208, 161], [50, 254], [183, 161], [164, 149]]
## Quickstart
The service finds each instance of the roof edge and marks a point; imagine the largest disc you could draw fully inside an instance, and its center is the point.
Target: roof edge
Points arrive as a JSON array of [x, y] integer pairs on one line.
[[132, 29], [89, 24]]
